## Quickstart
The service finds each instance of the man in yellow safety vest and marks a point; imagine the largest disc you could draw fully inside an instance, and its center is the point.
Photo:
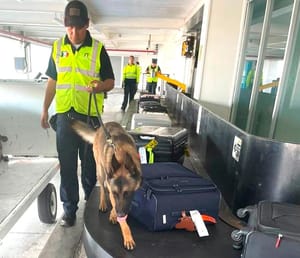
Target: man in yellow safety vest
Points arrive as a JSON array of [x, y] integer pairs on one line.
[[131, 78], [78, 65], [152, 79]]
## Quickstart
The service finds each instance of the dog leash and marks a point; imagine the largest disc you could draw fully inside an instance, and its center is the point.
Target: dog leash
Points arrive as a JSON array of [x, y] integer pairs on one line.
[[107, 134]]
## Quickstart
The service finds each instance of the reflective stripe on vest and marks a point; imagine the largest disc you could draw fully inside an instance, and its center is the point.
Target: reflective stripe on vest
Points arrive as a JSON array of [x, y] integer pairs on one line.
[[151, 77], [75, 71]]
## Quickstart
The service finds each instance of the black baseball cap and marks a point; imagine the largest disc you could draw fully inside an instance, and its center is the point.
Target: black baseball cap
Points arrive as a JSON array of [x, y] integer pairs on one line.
[[154, 61], [76, 14]]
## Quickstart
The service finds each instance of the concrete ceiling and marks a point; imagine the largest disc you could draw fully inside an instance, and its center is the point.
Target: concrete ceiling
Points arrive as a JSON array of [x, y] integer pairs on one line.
[[119, 24]]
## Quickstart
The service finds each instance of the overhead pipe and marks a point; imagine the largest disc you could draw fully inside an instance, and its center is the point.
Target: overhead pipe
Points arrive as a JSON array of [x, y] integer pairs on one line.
[[131, 50], [20, 37]]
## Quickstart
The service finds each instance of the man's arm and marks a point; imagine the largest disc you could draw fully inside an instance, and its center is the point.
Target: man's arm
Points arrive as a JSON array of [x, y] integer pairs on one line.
[[49, 96]]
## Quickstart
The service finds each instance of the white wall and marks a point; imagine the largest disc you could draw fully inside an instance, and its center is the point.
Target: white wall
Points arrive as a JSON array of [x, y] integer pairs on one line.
[[171, 61], [218, 54], [13, 48], [221, 53]]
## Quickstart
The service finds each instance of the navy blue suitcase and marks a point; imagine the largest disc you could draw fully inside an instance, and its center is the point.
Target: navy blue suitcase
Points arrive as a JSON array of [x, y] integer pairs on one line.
[[169, 188]]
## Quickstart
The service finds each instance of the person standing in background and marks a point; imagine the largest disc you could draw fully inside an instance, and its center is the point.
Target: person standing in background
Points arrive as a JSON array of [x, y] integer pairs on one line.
[[152, 78], [78, 66], [131, 79]]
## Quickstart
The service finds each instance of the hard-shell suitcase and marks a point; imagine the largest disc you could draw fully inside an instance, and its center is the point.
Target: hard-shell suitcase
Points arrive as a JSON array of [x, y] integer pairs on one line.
[[269, 217], [169, 188], [171, 142], [159, 119], [262, 245]]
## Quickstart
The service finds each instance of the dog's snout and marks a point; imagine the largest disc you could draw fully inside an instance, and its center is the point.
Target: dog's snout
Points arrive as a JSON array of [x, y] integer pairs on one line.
[[121, 214]]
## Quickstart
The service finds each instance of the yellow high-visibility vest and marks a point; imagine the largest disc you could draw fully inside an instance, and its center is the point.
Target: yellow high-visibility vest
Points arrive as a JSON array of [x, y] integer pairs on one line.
[[75, 71], [151, 76], [131, 72]]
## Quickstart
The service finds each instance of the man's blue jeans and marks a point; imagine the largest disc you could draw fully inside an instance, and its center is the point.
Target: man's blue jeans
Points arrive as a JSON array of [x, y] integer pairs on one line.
[[69, 145]]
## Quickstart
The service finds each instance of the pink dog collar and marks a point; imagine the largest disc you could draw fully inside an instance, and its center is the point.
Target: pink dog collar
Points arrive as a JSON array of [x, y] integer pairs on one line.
[[121, 219]]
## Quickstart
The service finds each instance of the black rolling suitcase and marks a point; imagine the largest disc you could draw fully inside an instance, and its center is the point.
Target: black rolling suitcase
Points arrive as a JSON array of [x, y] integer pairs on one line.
[[171, 142], [262, 245], [152, 106], [169, 188], [153, 100], [149, 97], [271, 218]]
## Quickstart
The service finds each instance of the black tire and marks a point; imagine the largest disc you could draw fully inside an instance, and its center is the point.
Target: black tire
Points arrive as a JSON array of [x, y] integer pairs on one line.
[[242, 213], [237, 246], [47, 204]]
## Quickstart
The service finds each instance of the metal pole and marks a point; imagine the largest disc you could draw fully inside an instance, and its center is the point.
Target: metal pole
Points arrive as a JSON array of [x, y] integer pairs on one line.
[[259, 66], [241, 62], [282, 86]]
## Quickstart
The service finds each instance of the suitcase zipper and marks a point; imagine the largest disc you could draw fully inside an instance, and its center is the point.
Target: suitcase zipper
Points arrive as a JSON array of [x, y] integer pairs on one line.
[[176, 188]]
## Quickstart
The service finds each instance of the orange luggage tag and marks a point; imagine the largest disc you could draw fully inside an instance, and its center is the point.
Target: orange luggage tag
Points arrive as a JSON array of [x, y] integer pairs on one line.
[[186, 222]]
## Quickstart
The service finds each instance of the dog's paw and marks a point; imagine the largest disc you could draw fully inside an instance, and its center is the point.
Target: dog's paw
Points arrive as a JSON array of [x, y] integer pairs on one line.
[[102, 207], [113, 217], [102, 211], [129, 243]]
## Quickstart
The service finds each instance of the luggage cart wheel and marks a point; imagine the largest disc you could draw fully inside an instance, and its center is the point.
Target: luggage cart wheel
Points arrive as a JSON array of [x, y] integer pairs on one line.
[[242, 213], [237, 237], [47, 204]]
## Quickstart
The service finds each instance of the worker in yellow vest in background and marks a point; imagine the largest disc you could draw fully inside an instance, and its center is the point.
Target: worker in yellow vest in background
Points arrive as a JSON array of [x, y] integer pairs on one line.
[[152, 78], [131, 77], [78, 65]]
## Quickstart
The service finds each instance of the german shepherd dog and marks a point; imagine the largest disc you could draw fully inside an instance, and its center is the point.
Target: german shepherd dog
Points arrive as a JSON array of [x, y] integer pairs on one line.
[[118, 169]]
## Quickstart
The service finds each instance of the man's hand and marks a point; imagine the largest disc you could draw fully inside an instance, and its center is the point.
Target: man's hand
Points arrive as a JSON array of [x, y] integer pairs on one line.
[[95, 86], [44, 120]]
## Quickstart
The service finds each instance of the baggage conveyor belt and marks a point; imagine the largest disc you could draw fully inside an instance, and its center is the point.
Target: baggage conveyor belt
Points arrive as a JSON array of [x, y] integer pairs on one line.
[[101, 239]]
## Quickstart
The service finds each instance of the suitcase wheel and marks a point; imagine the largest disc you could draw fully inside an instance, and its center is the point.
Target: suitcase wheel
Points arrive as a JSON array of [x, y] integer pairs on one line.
[[238, 238]]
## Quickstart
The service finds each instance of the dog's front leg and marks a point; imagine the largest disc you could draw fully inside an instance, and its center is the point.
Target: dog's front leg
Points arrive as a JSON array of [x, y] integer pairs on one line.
[[129, 243], [113, 213], [127, 236], [102, 203], [102, 197]]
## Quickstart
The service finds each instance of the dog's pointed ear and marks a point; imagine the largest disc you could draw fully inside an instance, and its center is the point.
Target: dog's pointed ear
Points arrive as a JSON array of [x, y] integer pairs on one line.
[[114, 166], [131, 166]]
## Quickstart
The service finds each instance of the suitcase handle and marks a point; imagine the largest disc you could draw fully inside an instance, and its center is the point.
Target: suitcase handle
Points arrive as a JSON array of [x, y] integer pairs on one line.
[[147, 137]]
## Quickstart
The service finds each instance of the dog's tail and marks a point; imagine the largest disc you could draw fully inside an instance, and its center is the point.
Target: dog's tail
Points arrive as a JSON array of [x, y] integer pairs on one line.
[[84, 130]]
